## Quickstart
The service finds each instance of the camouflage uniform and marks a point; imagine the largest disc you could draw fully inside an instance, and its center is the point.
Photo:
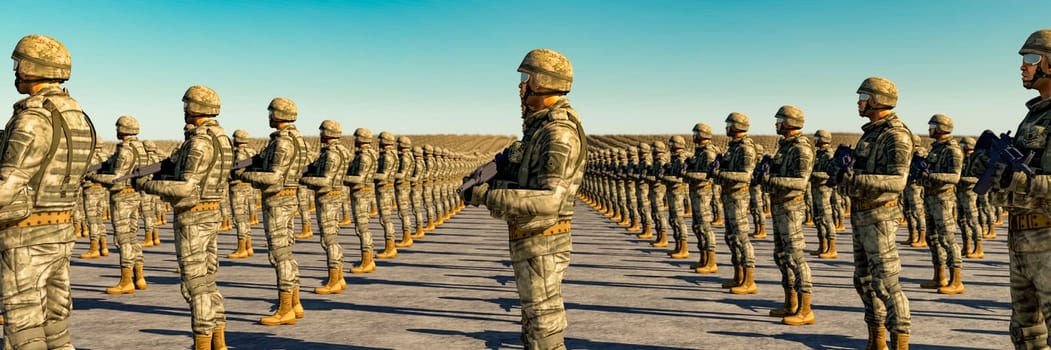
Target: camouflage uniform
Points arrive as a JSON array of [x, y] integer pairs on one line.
[[658, 190], [94, 205], [821, 194], [325, 178], [631, 188], [642, 190], [677, 190], [242, 198], [757, 202], [284, 159], [946, 160], [416, 179], [41, 167], [915, 214], [428, 187], [195, 187], [403, 189], [734, 175], [386, 166], [359, 179], [967, 205], [701, 197]]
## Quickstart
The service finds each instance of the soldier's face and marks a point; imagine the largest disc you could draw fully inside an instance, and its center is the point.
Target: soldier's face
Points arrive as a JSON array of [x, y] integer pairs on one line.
[[863, 104], [1030, 64]]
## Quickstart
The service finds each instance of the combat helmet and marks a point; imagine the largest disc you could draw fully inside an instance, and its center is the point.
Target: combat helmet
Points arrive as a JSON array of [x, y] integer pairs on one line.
[[240, 136], [428, 150], [127, 125], [282, 110], [822, 136], [41, 58], [703, 130], [633, 152], [362, 135], [330, 129], [659, 147], [882, 90], [738, 121], [548, 69], [1039, 43], [404, 142], [677, 142], [386, 138], [201, 100], [417, 151], [940, 123], [791, 116], [644, 148], [967, 143]]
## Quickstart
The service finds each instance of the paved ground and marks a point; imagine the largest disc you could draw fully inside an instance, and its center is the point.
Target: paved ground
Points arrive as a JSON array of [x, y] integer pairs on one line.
[[455, 290]]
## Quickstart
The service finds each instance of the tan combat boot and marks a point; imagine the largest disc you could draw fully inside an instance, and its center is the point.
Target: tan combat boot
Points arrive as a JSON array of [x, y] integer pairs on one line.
[[877, 338], [202, 341], [683, 252], [661, 241], [248, 246], [830, 251], [977, 253], [747, 284], [937, 281], [676, 249], [718, 221], [955, 285], [647, 233], [124, 286], [990, 232], [912, 237], [389, 251], [156, 237], [147, 241], [921, 240], [78, 230], [634, 227], [822, 246], [140, 279], [406, 240], [701, 262], [297, 307], [899, 341], [240, 253], [335, 285], [804, 316], [431, 226], [420, 232], [253, 219], [791, 304], [103, 248], [760, 231], [737, 277], [219, 337], [93, 251], [709, 264], [966, 248], [841, 227], [367, 264], [226, 226], [284, 314], [307, 232]]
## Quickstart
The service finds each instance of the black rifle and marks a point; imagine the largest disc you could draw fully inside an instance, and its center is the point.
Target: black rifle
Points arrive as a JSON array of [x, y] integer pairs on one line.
[[843, 160], [485, 173], [715, 164], [1000, 151], [761, 170], [164, 167], [93, 167], [919, 168]]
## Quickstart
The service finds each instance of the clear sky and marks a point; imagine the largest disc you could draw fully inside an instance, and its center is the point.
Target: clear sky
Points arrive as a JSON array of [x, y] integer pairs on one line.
[[642, 67]]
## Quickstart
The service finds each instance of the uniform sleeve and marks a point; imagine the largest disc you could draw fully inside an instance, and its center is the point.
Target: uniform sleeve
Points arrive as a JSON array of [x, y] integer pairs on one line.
[[317, 182], [28, 141], [558, 160], [198, 157], [745, 176], [364, 165], [123, 163], [898, 153], [284, 151], [820, 172], [953, 175], [799, 171]]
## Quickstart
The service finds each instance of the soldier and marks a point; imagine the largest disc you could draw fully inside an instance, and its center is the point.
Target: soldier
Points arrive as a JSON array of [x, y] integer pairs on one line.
[[821, 194], [967, 205], [304, 200], [386, 167], [789, 173], [150, 213], [94, 204], [325, 178], [242, 198], [677, 191], [945, 160], [403, 190], [642, 190], [915, 215], [428, 187], [631, 188], [756, 201], [704, 153], [734, 173], [125, 202], [657, 193], [201, 168], [881, 165], [359, 179], [284, 160], [540, 209], [47, 146], [621, 218], [416, 178]]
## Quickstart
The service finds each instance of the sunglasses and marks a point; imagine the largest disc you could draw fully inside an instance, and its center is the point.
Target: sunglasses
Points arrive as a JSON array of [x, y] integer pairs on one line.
[[1031, 59], [863, 97]]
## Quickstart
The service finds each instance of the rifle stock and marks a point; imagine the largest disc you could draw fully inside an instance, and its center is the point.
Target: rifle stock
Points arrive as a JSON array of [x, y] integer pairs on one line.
[[1000, 150]]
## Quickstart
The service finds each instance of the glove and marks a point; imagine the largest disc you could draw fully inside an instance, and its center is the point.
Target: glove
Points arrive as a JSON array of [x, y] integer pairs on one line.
[[977, 167], [1014, 181], [476, 195]]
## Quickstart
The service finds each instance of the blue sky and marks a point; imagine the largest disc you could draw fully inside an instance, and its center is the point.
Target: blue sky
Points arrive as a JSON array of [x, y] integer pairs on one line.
[[425, 67]]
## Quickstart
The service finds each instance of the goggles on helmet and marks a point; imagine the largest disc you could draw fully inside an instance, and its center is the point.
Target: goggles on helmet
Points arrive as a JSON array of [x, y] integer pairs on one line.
[[863, 97], [525, 77], [1031, 59]]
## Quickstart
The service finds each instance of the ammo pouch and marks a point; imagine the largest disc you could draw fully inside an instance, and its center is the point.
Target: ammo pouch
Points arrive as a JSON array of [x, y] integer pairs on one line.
[[19, 209]]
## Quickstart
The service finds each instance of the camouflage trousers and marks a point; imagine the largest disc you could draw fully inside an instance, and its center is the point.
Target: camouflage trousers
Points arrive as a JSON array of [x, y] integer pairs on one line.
[[125, 217], [36, 292], [657, 194], [242, 201], [279, 223], [967, 216], [822, 211], [304, 197], [428, 202], [735, 209], [1029, 253], [148, 208], [837, 200], [225, 207], [384, 201], [362, 199], [789, 245], [642, 193], [94, 205], [439, 204], [717, 201], [986, 213], [195, 248], [876, 269], [755, 205], [631, 196], [941, 233], [327, 207], [78, 214], [622, 199], [677, 211], [915, 215], [403, 195], [701, 207], [539, 284], [419, 211]]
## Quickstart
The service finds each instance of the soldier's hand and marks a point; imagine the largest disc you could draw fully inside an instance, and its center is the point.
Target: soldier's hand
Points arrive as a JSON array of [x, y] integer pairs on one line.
[[476, 195], [977, 168]]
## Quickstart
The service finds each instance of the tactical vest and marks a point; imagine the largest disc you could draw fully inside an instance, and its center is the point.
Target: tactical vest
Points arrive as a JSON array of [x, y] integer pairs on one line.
[[786, 162], [139, 158], [357, 170], [406, 163], [56, 185], [941, 160], [214, 184], [386, 165]]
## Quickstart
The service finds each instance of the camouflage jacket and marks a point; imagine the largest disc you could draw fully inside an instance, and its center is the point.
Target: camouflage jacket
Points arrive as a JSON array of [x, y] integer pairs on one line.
[[241, 152], [547, 178], [642, 170], [674, 169], [284, 159], [359, 175], [129, 155], [386, 166], [966, 184], [202, 164], [1033, 134], [735, 170], [327, 172], [406, 165], [419, 169], [790, 168], [697, 166], [883, 154], [945, 159], [822, 167]]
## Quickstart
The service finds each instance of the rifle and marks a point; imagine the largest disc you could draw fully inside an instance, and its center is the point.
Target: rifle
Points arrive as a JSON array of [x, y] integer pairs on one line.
[[715, 164], [919, 168], [93, 167], [843, 160], [166, 166], [1000, 151], [761, 170], [486, 172]]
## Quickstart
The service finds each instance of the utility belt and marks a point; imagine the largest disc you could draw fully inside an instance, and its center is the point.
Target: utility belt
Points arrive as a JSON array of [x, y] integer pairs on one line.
[[42, 218], [1028, 222], [941, 191], [859, 206], [126, 190], [241, 183], [732, 191], [363, 188], [282, 193], [561, 227], [385, 185], [202, 206], [95, 187], [786, 200], [332, 193], [706, 186]]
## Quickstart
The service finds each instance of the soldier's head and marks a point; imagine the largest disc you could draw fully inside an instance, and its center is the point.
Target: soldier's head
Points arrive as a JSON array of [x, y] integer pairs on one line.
[[240, 137], [40, 59], [939, 126], [331, 131], [822, 137], [702, 133], [736, 124], [788, 120], [387, 140], [659, 149], [546, 74], [428, 151], [282, 111], [404, 143], [417, 152], [876, 97], [199, 102], [633, 153], [677, 143], [127, 126], [967, 144], [362, 137], [1035, 66], [644, 150], [149, 146]]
